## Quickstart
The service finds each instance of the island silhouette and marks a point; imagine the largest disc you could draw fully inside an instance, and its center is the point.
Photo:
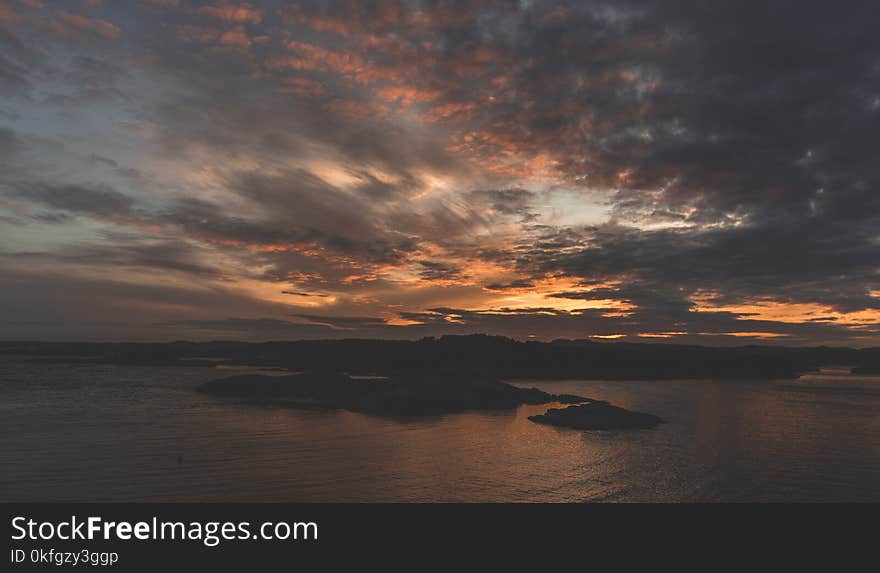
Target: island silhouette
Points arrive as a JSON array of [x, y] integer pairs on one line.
[[413, 395]]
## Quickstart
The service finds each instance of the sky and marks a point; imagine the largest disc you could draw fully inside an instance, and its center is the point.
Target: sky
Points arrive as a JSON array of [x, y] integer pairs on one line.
[[637, 170]]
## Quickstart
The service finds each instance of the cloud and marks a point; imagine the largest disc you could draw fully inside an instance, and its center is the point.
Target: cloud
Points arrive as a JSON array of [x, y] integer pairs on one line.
[[73, 25], [97, 200], [242, 13], [666, 169], [8, 142], [507, 201], [301, 293], [437, 271]]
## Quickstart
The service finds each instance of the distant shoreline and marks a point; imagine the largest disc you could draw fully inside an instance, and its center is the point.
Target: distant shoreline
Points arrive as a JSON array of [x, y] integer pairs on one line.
[[474, 355]]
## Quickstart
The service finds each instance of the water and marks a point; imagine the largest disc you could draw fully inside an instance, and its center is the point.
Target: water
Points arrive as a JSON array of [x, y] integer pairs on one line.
[[115, 433]]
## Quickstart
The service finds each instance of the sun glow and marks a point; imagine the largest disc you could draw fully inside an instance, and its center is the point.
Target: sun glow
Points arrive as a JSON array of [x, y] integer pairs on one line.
[[538, 296], [787, 312]]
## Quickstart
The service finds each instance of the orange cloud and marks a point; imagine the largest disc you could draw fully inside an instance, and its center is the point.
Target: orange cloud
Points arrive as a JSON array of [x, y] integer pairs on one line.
[[359, 109], [357, 21], [787, 312], [660, 334], [231, 13], [440, 17], [539, 293], [388, 44], [71, 25], [235, 38], [306, 56], [407, 95], [762, 335], [7, 16], [311, 57], [339, 26], [457, 111], [373, 73]]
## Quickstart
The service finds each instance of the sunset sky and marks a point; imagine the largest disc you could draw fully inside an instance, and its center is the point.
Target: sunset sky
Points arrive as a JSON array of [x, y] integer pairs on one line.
[[663, 171]]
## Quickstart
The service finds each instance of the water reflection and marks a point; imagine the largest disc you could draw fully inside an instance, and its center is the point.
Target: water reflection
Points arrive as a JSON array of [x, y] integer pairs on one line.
[[142, 433]]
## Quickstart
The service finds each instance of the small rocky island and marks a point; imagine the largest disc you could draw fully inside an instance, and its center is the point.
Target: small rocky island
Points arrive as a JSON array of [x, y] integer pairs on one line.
[[596, 415], [420, 395], [409, 395]]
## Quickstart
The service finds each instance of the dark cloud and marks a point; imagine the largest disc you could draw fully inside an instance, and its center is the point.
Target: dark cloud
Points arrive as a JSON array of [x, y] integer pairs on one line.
[[8, 142], [255, 328], [13, 76], [433, 270], [101, 160], [79, 199], [517, 284], [342, 322], [302, 293], [783, 259], [507, 201]]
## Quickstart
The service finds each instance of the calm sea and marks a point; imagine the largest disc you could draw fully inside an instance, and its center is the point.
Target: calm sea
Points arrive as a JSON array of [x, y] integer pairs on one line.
[[123, 433]]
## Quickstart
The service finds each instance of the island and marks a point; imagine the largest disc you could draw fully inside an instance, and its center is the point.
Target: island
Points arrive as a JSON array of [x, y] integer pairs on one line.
[[419, 395], [596, 415], [410, 395]]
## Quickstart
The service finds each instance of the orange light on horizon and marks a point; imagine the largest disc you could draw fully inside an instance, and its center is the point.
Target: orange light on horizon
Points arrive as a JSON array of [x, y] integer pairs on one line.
[[787, 312], [660, 334]]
